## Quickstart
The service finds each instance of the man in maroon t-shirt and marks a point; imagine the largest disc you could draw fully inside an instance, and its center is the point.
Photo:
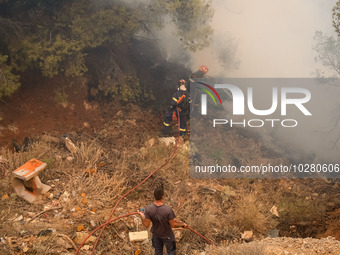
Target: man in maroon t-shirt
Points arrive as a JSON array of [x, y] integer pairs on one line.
[[163, 220]]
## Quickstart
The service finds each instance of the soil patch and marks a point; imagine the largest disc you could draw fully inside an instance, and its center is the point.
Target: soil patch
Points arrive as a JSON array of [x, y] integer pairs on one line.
[[43, 105]]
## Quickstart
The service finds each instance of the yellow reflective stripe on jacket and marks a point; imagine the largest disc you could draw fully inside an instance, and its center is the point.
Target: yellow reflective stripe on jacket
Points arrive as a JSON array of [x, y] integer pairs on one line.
[[181, 129], [174, 99], [165, 124]]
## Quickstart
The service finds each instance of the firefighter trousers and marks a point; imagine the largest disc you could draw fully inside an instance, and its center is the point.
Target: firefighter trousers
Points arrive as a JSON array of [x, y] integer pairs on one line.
[[168, 119]]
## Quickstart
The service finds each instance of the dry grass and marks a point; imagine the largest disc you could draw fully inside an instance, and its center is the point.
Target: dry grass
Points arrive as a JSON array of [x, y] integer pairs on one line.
[[96, 190], [236, 249], [220, 215], [301, 210], [251, 214], [88, 155], [73, 185]]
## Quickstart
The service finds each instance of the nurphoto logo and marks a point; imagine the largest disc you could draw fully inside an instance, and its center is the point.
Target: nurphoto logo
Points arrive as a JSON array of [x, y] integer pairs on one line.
[[294, 96]]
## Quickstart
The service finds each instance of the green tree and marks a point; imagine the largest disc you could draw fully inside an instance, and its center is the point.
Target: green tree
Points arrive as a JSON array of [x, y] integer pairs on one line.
[[54, 37], [9, 82]]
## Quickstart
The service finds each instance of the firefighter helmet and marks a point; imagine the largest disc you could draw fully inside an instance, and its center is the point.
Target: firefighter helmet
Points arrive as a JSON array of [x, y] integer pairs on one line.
[[182, 82], [204, 69]]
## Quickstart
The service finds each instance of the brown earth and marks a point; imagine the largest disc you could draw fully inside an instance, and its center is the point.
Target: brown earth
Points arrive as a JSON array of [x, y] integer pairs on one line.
[[33, 110], [282, 246]]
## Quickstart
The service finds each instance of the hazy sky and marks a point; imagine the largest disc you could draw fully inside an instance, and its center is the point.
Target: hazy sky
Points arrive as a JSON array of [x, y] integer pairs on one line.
[[274, 38]]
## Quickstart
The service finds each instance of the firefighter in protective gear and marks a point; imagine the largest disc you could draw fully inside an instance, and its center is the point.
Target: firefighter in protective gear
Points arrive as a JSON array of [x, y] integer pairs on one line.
[[180, 101], [200, 73]]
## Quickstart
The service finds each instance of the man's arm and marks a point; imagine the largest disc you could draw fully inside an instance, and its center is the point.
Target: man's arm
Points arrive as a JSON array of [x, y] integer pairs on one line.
[[174, 223], [145, 221], [174, 100]]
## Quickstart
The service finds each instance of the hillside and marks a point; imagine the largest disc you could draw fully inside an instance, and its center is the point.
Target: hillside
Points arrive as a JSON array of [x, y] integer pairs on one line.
[[119, 147]]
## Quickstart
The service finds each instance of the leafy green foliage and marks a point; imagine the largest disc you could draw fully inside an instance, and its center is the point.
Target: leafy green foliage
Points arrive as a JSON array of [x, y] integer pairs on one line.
[[54, 37], [9, 82], [126, 86]]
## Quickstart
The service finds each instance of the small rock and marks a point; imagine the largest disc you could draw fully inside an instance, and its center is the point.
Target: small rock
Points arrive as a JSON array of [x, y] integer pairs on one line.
[[168, 140], [178, 235], [150, 143], [247, 236], [70, 145], [119, 114], [19, 218], [92, 223], [274, 211], [45, 232], [70, 159], [63, 243], [30, 214], [67, 200], [80, 236], [3, 240], [86, 247], [273, 233]]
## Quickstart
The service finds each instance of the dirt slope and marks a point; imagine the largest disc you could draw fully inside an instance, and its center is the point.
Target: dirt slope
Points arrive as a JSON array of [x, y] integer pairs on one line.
[[119, 147]]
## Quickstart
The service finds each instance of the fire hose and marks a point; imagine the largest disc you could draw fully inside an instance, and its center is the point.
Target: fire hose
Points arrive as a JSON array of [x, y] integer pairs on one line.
[[102, 227], [126, 215]]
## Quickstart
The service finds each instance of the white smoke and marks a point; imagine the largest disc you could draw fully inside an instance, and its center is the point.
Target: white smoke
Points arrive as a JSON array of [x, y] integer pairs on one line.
[[269, 38]]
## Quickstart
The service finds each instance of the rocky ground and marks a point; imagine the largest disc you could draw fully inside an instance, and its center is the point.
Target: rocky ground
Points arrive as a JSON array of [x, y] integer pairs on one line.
[[287, 246]]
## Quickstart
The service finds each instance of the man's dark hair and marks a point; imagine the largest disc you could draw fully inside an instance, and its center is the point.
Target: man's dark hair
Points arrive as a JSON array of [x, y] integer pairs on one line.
[[158, 193]]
